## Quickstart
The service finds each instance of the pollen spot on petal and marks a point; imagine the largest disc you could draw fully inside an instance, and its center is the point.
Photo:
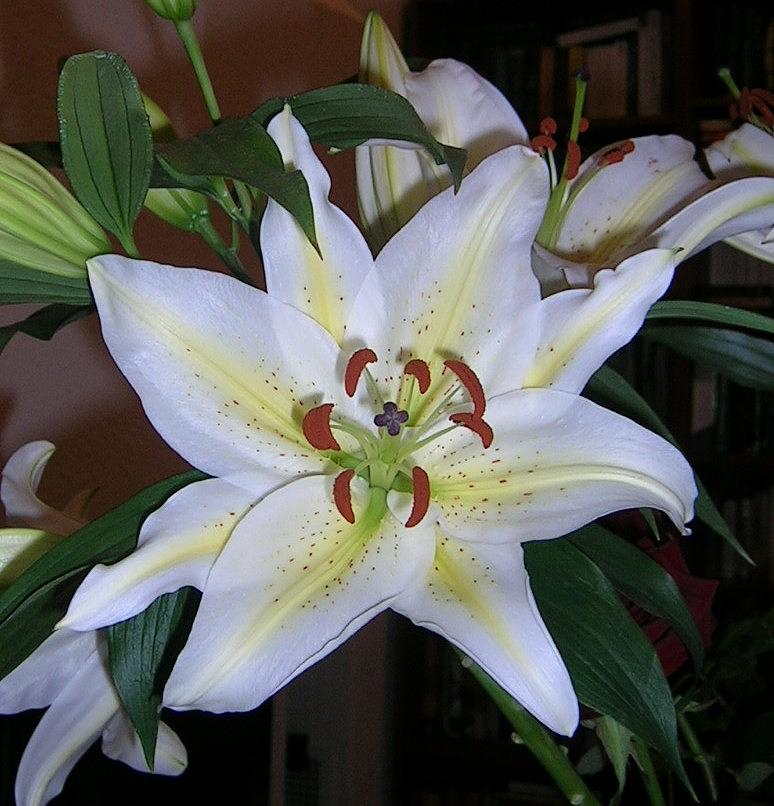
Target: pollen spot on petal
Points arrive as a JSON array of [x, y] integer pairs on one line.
[[355, 366]]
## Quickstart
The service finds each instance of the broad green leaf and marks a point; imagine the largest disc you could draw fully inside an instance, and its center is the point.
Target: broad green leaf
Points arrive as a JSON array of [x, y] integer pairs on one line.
[[614, 668], [106, 138], [142, 651], [641, 579], [38, 599], [22, 284], [238, 149], [610, 389], [346, 115], [711, 312], [747, 360], [43, 324]]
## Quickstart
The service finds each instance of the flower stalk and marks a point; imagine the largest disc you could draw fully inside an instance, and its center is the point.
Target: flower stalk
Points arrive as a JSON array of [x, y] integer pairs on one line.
[[649, 777], [536, 738]]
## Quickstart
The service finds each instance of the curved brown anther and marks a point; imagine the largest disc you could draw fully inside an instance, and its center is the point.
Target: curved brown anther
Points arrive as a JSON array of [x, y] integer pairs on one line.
[[421, 372], [617, 153], [573, 159], [342, 495], [477, 425], [543, 141], [316, 426], [471, 383], [421, 497], [355, 366]]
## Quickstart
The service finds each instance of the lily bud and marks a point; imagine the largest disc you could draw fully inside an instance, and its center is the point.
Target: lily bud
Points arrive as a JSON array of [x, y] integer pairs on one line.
[[175, 10], [177, 206], [42, 225]]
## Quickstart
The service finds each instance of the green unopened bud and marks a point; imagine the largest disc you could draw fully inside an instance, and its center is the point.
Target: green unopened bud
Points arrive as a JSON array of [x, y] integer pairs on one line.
[[181, 208], [42, 226], [175, 10]]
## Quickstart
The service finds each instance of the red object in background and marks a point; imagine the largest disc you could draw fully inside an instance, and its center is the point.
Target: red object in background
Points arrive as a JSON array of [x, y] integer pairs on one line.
[[698, 594]]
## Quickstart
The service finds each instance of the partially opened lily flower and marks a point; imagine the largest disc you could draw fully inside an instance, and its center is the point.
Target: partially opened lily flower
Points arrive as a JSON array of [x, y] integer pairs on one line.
[[68, 672], [374, 444], [633, 195]]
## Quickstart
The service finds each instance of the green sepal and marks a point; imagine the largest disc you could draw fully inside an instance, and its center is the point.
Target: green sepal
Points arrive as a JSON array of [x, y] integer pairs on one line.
[[142, 651], [19, 284], [39, 598], [347, 115], [105, 136]]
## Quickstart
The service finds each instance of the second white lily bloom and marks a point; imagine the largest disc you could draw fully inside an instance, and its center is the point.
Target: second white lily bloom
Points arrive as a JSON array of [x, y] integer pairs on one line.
[[390, 438]]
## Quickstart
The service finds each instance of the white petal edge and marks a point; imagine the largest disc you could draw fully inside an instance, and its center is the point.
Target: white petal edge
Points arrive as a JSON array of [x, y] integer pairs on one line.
[[121, 743], [321, 285], [19, 485], [295, 581], [177, 546], [748, 150], [579, 328], [224, 371], [557, 462], [479, 598]]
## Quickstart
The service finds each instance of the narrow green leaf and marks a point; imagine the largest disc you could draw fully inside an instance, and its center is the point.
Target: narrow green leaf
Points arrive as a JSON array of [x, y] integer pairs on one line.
[[37, 600], [43, 324], [610, 389], [346, 115], [22, 284], [142, 652], [614, 668], [747, 360], [105, 137], [239, 149], [711, 312], [641, 579], [617, 741]]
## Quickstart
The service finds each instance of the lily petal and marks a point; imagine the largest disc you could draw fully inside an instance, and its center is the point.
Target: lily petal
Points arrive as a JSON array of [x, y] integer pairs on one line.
[[121, 743], [19, 485], [177, 546], [224, 371], [68, 728], [321, 285], [558, 462], [742, 152], [451, 279], [294, 582], [459, 107], [581, 328], [479, 598], [610, 208], [19, 548], [37, 681]]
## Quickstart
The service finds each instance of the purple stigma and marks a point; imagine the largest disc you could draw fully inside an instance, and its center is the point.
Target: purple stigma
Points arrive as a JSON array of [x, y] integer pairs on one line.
[[392, 418]]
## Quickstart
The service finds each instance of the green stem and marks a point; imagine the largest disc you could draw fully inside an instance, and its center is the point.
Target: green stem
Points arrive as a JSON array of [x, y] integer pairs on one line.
[[536, 738], [225, 200], [228, 255], [725, 75], [698, 754], [649, 777], [128, 244], [191, 44]]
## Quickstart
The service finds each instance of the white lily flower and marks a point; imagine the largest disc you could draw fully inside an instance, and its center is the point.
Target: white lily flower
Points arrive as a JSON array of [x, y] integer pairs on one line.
[[630, 196], [68, 672], [375, 444], [748, 150]]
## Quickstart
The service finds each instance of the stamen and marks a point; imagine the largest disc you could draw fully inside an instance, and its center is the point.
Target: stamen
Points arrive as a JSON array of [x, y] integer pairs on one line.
[[548, 126], [342, 495], [471, 383], [616, 154], [421, 372], [355, 366], [573, 159], [543, 142], [316, 426], [477, 425], [421, 501], [583, 125]]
